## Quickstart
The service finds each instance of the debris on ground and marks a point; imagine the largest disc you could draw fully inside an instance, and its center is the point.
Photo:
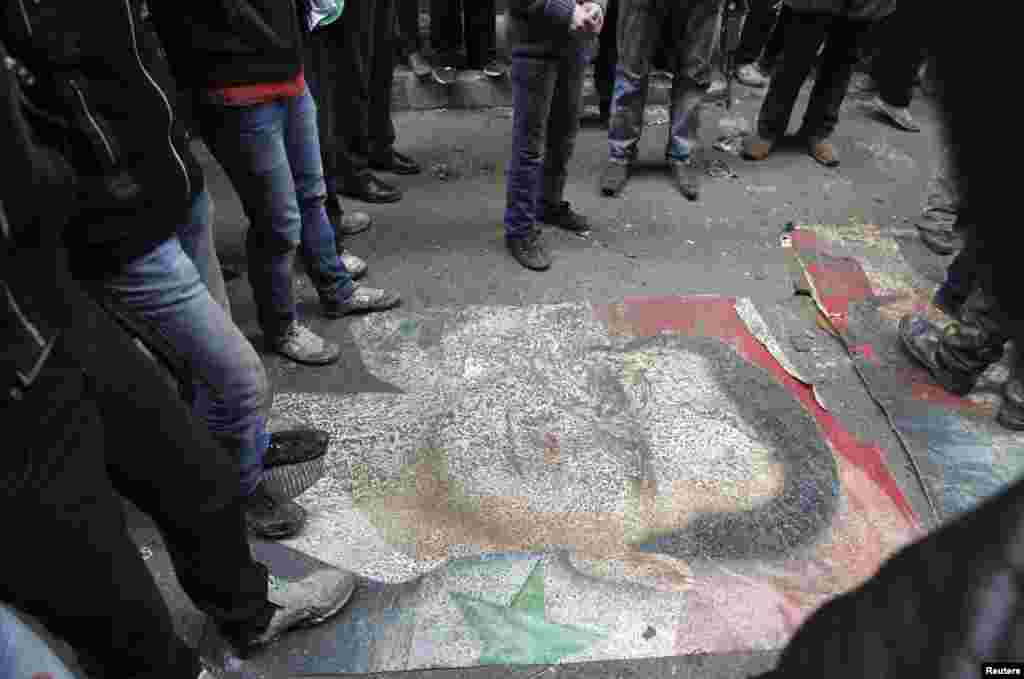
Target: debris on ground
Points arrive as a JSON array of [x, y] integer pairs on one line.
[[718, 169], [731, 143]]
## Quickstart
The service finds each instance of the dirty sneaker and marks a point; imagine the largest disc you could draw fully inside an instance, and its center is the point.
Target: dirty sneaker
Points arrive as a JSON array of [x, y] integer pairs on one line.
[[494, 69], [272, 518], [614, 178], [530, 250], [355, 266], [362, 299], [563, 216], [302, 345], [302, 603], [898, 116], [756, 147], [294, 446], [687, 177], [445, 75], [823, 152], [921, 340], [419, 65], [751, 76]]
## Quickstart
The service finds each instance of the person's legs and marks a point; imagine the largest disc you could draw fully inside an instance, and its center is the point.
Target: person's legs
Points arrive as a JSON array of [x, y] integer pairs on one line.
[[409, 27], [638, 33], [895, 67], [563, 124], [23, 653], [773, 48], [164, 289], [199, 245], [481, 32], [380, 140], [109, 609], [318, 247], [804, 34], [321, 79], [349, 51], [446, 32], [834, 74], [698, 23], [757, 30], [607, 58], [533, 89]]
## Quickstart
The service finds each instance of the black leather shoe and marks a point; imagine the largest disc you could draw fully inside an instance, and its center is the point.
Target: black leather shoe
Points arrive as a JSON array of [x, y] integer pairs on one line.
[[396, 163], [367, 188]]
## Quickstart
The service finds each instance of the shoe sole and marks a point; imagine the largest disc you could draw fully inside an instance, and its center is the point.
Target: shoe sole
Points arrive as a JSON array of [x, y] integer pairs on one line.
[[356, 312], [292, 480], [351, 231], [323, 617], [306, 361]]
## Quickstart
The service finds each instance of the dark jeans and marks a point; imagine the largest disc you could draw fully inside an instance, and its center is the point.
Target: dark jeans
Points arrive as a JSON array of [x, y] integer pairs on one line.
[[773, 49], [408, 25], [547, 96], [757, 31], [804, 33], [899, 56], [454, 23], [642, 25], [72, 444], [607, 56], [361, 46]]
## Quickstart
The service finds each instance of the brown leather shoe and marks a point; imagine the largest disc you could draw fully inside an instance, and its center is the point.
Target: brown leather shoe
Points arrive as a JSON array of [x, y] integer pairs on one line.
[[823, 152], [756, 148]]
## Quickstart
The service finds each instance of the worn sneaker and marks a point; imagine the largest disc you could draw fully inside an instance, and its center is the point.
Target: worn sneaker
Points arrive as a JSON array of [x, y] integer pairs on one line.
[[614, 178], [921, 340], [351, 223], [294, 446], [897, 115], [355, 266], [362, 299], [495, 69], [302, 345], [271, 517], [687, 177], [419, 66], [303, 603], [563, 216], [942, 242], [756, 147], [751, 76], [530, 250]]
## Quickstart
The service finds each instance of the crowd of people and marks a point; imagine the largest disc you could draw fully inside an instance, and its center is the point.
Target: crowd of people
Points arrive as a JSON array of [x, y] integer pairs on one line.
[[107, 239]]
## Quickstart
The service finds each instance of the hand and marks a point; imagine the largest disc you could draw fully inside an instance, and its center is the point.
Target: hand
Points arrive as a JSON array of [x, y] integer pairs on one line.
[[595, 17], [580, 18]]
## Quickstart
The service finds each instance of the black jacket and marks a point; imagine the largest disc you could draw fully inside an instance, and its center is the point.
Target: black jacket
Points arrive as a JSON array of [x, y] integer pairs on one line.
[[231, 42], [101, 94]]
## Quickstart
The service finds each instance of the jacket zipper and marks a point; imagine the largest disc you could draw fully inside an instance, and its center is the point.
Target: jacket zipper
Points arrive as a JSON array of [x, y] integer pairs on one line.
[[92, 121], [167, 103]]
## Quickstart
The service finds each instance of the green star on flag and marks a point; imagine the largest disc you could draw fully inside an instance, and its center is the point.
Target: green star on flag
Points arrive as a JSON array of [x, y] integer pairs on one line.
[[519, 634]]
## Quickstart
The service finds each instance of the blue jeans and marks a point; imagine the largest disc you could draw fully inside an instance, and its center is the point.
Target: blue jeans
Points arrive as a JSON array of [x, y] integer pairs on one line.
[[547, 96], [271, 153], [23, 653], [164, 289]]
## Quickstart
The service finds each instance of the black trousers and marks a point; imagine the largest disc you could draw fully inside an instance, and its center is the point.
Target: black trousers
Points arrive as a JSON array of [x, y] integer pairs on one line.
[[73, 443], [804, 34], [772, 50], [607, 56], [757, 30], [408, 26], [360, 56], [899, 56], [469, 23]]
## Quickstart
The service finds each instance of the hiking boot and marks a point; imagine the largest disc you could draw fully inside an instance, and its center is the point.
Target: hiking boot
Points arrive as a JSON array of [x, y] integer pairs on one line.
[[355, 266], [529, 250], [495, 69], [687, 176], [351, 223], [756, 147], [949, 301], [614, 178], [302, 603], [361, 300], [271, 517], [1011, 412], [942, 242], [751, 76], [823, 152], [302, 345], [563, 216], [921, 339], [419, 66], [898, 116], [295, 446]]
